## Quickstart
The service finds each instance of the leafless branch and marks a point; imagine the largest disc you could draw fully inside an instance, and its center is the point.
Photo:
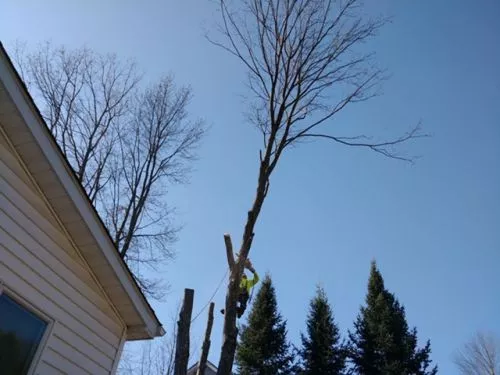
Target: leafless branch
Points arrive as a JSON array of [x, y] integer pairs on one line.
[[480, 356], [385, 148]]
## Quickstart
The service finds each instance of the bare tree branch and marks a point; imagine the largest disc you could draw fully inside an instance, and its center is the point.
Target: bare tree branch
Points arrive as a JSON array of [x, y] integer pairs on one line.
[[384, 147], [480, 356]]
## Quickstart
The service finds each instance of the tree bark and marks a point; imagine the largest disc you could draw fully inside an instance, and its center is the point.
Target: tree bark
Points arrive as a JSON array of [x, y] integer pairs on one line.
[[229, 250], [202, 365], [183, 326], [230, 330]]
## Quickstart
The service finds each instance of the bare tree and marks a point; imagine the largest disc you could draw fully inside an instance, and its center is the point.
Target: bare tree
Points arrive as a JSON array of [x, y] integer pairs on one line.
[[126, 144], [153, 150], [480, 356], [304, 65], [83, 97], [155, 357]]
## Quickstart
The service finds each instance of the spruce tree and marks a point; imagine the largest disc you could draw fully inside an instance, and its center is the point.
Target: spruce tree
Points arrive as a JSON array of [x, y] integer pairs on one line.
[[382, 343], [263, 348], [322, 350]]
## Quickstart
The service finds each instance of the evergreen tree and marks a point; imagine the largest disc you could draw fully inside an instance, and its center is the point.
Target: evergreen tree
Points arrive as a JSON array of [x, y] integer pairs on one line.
[[382, 343], [263, 348], [322, 351]]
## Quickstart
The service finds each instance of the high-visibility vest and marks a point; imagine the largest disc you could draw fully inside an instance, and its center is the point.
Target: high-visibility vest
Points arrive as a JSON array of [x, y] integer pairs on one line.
[[248, 284]]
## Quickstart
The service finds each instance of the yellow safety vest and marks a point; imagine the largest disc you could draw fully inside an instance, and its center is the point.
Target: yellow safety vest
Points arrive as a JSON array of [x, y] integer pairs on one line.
[[248, 284]]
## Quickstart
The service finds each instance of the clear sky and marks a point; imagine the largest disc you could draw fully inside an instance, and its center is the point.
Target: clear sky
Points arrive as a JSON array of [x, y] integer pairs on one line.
[[434, 228]]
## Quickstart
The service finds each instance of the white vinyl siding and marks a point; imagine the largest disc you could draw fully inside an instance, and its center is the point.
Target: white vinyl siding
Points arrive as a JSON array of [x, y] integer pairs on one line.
[[15, 169], [39, 263]]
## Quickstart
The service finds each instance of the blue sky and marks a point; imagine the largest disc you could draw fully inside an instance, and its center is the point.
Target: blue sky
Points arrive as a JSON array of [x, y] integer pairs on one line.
[[433, 227]]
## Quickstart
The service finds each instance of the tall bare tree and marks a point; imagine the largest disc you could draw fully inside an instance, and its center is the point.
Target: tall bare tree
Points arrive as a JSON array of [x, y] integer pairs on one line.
[[83, 97], [480, 356], [304, 65], [126, 143], [155, 148]]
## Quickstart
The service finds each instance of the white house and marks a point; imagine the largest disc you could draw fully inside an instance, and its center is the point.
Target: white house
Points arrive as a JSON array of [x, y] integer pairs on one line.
[[68, 302]]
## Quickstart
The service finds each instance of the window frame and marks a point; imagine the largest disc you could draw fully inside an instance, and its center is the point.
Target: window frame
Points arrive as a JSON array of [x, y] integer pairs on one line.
[[16, 297]]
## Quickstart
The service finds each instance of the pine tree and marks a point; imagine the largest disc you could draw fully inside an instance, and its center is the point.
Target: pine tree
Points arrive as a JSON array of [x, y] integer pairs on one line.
[[263, 348], [322, 351], [382, 343]]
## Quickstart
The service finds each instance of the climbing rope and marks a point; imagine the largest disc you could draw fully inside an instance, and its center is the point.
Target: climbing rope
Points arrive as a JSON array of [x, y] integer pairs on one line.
[[211, 298], [215, 292]]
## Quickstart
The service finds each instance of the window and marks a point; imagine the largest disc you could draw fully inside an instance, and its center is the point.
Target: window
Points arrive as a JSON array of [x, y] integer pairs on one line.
[[20, 334]]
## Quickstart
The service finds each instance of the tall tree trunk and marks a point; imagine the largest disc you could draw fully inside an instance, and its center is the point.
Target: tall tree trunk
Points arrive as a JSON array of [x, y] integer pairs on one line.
[[228, 349], [183, 326], [202, 365], [230, 330]]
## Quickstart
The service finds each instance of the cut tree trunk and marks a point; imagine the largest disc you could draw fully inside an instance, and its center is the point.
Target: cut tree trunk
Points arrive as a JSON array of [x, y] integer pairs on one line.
[[183, 327], [230, 330], [202, 365]]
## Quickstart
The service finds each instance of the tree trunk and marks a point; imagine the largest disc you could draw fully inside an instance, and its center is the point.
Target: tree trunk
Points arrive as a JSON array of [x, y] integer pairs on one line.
[[206, 342], [228, 349], [183, 326], [230, 330]]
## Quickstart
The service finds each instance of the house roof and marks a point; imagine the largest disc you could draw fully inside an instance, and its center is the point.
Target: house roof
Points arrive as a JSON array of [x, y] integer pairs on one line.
[[22, 122], [193, 368]]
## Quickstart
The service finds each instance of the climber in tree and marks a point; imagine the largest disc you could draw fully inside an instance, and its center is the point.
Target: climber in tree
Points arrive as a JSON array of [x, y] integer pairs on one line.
[[246, 286]]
